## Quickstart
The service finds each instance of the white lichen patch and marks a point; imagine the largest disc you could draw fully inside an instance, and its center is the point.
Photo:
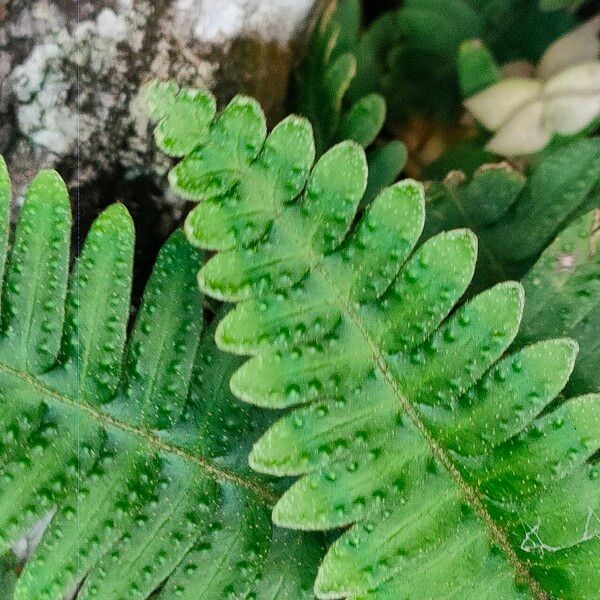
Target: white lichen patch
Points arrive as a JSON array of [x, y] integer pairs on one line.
[[44, 82], [219, 22], [77, 92]]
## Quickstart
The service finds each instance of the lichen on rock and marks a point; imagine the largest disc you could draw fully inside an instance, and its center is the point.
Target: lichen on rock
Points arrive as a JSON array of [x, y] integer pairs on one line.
[[77, 94], [219, 22], [77, 90]]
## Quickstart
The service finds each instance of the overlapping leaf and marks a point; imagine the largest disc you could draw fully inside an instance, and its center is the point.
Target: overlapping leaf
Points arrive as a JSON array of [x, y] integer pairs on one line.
[[453, 467], [320, 95], [516, 219], [136, 447]]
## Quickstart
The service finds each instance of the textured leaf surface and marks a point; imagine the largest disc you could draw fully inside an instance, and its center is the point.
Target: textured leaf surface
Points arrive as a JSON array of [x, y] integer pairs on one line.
[[405, 422], [185, 113], [136, 448], [516, 220]]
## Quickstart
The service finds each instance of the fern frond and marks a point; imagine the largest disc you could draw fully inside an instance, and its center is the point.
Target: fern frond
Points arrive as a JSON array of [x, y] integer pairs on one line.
[[136, 447], [515, 219], [448, 462]]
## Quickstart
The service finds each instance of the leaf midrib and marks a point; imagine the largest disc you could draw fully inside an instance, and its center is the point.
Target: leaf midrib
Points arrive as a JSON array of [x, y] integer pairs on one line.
[[83, 361], [315, 264], [471, 494], [152, 440], [39, 259]]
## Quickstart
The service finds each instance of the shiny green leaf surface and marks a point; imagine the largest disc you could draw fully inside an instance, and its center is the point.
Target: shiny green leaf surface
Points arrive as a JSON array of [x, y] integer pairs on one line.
[[131, 446], [406, 422], [517, 219]]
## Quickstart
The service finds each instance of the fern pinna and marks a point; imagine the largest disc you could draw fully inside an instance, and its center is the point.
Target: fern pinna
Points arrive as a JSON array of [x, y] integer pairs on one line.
[[455, 470], [515, 218], [142, 467]]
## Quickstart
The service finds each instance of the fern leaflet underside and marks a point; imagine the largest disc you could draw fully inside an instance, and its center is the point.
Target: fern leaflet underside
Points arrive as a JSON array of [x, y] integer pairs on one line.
[[455, 469], [139, 460]]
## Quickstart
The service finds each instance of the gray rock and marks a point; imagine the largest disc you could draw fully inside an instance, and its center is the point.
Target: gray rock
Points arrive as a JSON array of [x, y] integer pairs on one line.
[[72, 91]]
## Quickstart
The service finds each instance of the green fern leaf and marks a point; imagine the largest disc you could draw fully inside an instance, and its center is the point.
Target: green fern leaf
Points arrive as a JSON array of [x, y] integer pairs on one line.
[[136, 448], [515, 219], [8, 575], [448, 462], [179, 133]]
